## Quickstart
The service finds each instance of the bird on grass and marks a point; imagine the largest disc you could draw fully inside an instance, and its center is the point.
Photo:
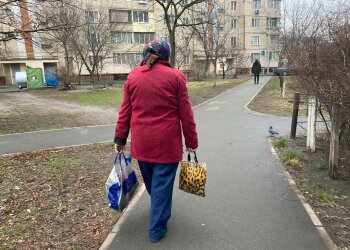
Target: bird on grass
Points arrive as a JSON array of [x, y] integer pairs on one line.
[[272, 131]]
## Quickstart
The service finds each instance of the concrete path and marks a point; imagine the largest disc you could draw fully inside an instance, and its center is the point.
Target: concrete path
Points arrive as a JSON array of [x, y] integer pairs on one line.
[[249, 203], [23, 142]]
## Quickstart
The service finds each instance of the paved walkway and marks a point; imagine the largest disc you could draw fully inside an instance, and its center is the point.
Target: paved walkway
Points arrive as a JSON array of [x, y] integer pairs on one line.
[[249, 204]]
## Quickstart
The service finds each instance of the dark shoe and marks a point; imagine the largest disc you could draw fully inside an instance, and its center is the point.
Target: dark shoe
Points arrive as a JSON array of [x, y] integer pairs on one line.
[[153, 240]]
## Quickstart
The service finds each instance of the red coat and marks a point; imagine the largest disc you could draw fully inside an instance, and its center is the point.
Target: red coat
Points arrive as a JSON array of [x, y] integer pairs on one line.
[[155, 107]]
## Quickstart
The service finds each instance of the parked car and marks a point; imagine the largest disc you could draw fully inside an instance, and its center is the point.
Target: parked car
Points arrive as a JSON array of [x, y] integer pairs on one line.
[[283, 71]]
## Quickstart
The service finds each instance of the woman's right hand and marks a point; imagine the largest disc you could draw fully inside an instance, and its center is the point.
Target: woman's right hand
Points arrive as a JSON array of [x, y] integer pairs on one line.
[[119, 148]]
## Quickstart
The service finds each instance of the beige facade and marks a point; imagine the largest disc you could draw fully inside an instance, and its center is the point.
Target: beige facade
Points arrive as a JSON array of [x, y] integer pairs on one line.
[[252, 25], [257, 30], [26, 49]]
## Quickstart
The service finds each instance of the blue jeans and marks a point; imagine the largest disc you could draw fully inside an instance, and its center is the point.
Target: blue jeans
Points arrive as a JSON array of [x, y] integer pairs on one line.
[[159, 181]]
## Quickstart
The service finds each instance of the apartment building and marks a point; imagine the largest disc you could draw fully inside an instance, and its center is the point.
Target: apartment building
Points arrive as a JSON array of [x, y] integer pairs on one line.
[[258, 24], [252, 27], [26, 49]]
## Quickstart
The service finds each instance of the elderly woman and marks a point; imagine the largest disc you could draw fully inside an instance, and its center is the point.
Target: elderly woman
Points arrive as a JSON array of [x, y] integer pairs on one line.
[[156, 108]]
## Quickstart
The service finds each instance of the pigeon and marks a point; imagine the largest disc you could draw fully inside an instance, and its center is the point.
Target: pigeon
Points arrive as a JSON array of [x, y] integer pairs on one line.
[[272, 131]]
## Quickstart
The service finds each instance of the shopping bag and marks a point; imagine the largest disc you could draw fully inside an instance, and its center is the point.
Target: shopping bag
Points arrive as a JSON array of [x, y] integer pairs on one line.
[[121, 183], [193, 176]]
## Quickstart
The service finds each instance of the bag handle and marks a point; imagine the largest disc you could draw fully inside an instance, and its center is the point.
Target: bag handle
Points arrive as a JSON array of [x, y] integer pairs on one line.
[[119, 157], [195, 157]]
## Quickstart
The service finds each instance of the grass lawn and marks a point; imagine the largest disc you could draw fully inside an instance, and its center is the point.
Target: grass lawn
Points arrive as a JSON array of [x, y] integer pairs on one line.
[[19, 120], [56, 199], [112, 96], [330, 199], [269, 99]]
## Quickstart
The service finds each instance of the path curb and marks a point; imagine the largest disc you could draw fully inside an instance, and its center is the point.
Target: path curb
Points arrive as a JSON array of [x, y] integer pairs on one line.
[[314, 218], [126, 213]]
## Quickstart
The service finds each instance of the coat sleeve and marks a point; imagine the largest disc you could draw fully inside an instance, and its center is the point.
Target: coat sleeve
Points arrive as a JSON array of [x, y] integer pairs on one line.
[[186, 115], [123, 122]]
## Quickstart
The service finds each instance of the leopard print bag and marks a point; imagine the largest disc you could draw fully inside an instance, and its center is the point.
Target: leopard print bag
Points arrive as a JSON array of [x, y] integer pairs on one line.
[[193, 176]]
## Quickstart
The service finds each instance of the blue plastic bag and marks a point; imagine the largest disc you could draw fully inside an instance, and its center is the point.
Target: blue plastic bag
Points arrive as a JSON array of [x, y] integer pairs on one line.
[[121, 183]]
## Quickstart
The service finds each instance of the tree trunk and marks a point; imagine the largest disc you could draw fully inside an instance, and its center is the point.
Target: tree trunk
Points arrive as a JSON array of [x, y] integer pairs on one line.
[[172, 47], [334, 144], [215, 73]]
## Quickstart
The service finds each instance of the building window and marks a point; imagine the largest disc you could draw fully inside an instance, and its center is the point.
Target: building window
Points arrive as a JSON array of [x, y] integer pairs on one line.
[[255, 56], [186, 60], [233, 41], [140, 16], [255, 40], [234, 23], [272, 55], [256, 4], [233, 5], [186, 41], [127, 58], [97, 62], [92, 16], [120, 16], [121, 37], [273, 23], [143, 37], [273, 39], [255, 22], [94, 38], [274, 4], [185, 21]]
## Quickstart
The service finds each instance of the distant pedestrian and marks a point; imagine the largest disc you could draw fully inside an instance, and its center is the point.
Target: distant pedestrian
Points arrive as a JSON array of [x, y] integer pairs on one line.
[[157, 110], [256, 69]]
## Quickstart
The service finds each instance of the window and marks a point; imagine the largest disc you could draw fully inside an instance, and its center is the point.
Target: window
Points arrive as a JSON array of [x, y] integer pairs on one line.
[[256, 4], [273, 39], [185, 20], [92, 16], [233, 40], [274, 4], [121, 37], [140, 16], [255, 56], [273, 23], [255, 40], [93, 38], [233, 5], [46, 46], [171, 18], [272, 55], [127, 58], [222, 66], [255, 22], [234, 23], [143, 37], [186, 41], [120, 16], [97, 61], [186, 60]]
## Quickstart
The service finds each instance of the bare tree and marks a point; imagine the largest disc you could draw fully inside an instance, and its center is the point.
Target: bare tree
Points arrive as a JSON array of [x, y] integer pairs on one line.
[[12, 25], [318, 48], [173, 12]]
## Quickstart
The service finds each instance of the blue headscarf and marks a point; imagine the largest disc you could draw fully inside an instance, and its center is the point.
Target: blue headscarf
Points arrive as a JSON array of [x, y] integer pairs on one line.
[[155, 50]]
